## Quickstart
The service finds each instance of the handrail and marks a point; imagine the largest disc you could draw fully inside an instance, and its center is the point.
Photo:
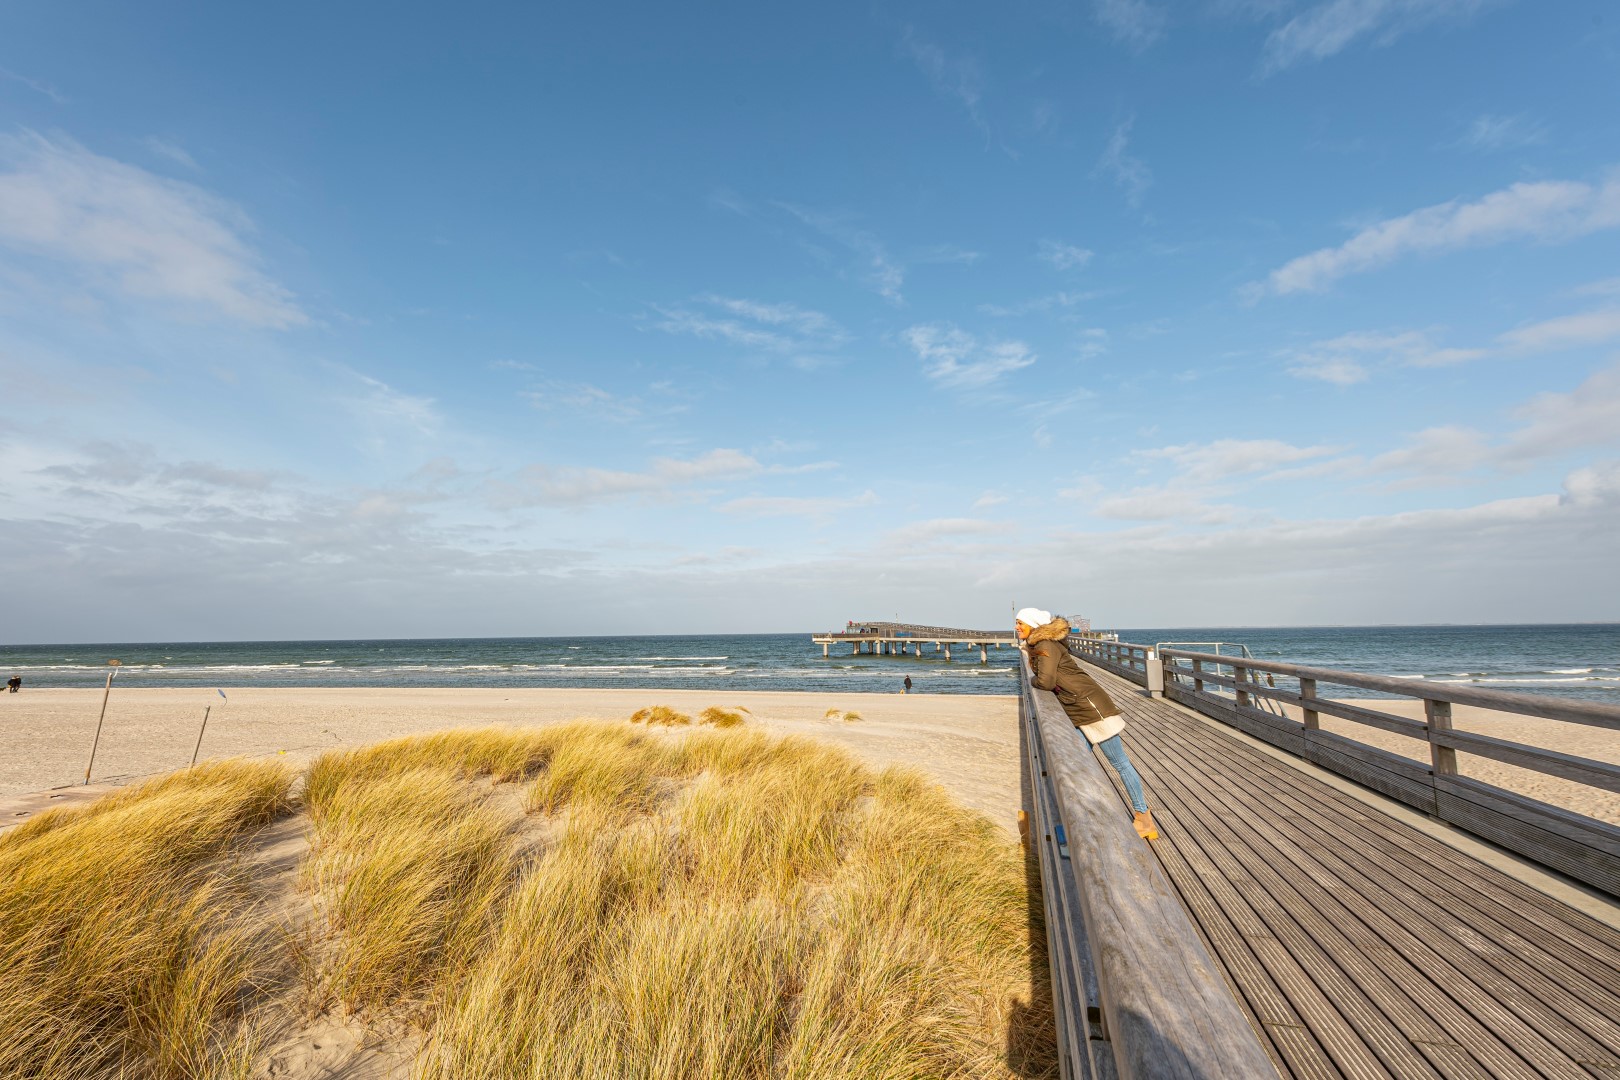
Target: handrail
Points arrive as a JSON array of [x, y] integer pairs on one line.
[[1555, 836], [1135, 991]]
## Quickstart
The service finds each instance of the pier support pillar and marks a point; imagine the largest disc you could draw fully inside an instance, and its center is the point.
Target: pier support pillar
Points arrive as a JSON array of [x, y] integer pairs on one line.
[[947, 652], [984, 655]]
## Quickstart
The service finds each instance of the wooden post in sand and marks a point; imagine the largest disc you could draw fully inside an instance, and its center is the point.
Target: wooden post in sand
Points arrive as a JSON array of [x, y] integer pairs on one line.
[[196, 749], [104, 696]]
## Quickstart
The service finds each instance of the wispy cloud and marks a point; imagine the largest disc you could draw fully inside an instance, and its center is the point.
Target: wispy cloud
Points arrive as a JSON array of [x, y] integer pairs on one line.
[[548, 485], [173, 151], [1565, 332], [782, 328], [955, 358], [1129, 172], [1344, 360], [123, 229], [43, 88], [956, 78], [878, 270], [1063, 256], [1555, 423], [1491, 133], [1331, 27], [1135, 23], [1227, 458], [1544, 210], [584, 398], [825, 507], [1049, 302]]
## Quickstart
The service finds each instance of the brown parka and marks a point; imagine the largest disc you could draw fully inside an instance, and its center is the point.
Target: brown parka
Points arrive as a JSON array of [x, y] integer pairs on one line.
[[1088, 705]]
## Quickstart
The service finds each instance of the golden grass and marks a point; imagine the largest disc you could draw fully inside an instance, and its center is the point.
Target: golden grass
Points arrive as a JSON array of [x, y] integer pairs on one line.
[[125, 947], [848, 717], [660, 714], [713, 903], [722, 718]]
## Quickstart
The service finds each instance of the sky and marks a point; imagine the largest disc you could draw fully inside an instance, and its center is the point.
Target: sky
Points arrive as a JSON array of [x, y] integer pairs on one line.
[[410, 320]]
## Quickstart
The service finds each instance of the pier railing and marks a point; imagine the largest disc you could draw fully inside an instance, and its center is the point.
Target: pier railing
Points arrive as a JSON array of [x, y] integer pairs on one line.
[[1248, 694], [1135, 991]]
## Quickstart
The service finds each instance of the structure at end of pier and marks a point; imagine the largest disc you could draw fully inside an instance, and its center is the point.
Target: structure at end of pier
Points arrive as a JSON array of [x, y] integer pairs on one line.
[[881, 638]]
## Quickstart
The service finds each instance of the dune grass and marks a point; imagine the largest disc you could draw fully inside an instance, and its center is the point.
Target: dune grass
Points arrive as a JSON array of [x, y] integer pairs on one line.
[[715, 716], [126, 948], [592, 899], [846, 715]]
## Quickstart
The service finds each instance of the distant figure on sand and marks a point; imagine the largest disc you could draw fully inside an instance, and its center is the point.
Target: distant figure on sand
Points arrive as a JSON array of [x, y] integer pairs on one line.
[[907, 690], [1088, 705], [14, 683]]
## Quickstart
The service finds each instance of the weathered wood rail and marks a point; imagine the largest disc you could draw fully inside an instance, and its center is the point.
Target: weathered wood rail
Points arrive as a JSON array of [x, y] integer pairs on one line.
[[1574, 844], [1136, 993]]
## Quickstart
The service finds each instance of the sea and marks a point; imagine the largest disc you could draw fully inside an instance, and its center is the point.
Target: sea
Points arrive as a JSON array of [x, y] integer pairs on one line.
[[1579, 661]]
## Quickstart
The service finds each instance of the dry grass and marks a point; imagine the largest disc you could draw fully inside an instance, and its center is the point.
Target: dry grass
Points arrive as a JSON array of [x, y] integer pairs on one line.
[[125, 946], [652, 903], [662, 715], [723, 718], [847, 716]]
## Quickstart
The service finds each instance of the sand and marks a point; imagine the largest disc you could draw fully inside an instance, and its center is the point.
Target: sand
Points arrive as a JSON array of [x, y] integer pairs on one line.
[[1577, 740], [969, 743]]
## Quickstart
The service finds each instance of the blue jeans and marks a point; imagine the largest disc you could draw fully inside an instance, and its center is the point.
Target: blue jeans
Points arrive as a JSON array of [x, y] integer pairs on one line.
[[1114, 750]]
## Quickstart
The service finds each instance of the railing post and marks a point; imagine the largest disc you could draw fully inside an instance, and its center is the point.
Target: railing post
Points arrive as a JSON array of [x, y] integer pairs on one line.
[[1198, 668], [1240, 675], [1307, 689], [1155, 674], [1442, 758]]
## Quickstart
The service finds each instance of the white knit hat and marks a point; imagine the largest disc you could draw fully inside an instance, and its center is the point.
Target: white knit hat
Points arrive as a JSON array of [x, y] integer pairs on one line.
[[1033, 617]]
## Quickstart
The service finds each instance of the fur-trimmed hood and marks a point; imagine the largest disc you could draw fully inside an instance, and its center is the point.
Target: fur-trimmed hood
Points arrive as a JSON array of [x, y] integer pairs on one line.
[[1056, 630]]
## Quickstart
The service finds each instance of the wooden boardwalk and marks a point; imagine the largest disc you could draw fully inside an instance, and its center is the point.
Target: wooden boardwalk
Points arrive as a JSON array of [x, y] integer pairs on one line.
[[1358, 945]]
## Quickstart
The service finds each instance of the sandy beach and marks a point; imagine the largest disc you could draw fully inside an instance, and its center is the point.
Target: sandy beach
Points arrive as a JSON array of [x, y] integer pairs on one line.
[[969, 743], [1578, 740]]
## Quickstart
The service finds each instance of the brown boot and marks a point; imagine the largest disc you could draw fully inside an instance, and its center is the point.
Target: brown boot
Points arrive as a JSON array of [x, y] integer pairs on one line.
[[1145, 827]]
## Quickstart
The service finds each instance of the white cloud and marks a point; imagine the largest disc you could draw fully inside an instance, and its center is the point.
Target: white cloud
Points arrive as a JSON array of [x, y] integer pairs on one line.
[[877, 270], [124, 229], [380, 402], [779, 327], [1329, 28], [45, 89], [989, 499], [955, 358], [168, 148], [954, 77], [1226, 458], [1544, 210], [792, 506], [1064, 256], [935, 529], [1436, 453], [1565, 332], [584, 398], [1556, 423], [571, 485], [1343, 360], [1129, 172], [1135, 23], [1049, 302], [1490, 133]]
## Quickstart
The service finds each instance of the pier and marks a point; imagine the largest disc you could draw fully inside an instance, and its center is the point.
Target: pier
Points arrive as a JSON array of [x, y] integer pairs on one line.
[[1314, 906], [880, 638]]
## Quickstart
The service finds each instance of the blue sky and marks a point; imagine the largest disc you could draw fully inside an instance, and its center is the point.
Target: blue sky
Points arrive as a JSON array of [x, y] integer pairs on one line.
[[413, 320]]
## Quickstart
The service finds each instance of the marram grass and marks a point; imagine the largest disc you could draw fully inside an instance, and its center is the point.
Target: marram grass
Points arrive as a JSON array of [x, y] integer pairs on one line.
[[580, 900], [127, 947]]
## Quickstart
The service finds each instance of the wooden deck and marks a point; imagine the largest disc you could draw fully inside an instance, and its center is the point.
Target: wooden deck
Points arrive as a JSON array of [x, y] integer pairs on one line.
[[1358, 945]]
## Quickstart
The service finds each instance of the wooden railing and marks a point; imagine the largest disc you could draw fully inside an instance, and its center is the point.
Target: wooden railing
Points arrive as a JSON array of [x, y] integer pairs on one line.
[[1121, 657], [1234, 689], [1136, 993]]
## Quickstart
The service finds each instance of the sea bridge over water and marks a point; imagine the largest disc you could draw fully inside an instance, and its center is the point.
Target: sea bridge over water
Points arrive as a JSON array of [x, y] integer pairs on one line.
[[1317, 907], [881, 638]]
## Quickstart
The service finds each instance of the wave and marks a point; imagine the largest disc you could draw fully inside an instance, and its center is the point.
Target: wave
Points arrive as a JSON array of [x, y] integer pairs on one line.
[[680, 658]]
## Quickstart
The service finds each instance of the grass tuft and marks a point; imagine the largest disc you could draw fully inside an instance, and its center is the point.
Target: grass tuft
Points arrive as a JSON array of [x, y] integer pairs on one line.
[[721, 718], [660, 714], [848, 717], [126, 946]]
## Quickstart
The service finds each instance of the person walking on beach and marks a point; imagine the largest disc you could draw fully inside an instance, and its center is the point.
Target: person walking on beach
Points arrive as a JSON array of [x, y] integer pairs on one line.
[[907, 690], [1088, 705]]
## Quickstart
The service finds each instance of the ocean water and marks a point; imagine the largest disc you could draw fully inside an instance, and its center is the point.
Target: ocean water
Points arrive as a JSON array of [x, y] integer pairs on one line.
[[1568, 661]]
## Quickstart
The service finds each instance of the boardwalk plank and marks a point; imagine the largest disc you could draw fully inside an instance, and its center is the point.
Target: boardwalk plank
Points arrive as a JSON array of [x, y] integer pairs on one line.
[[1358, 943]]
